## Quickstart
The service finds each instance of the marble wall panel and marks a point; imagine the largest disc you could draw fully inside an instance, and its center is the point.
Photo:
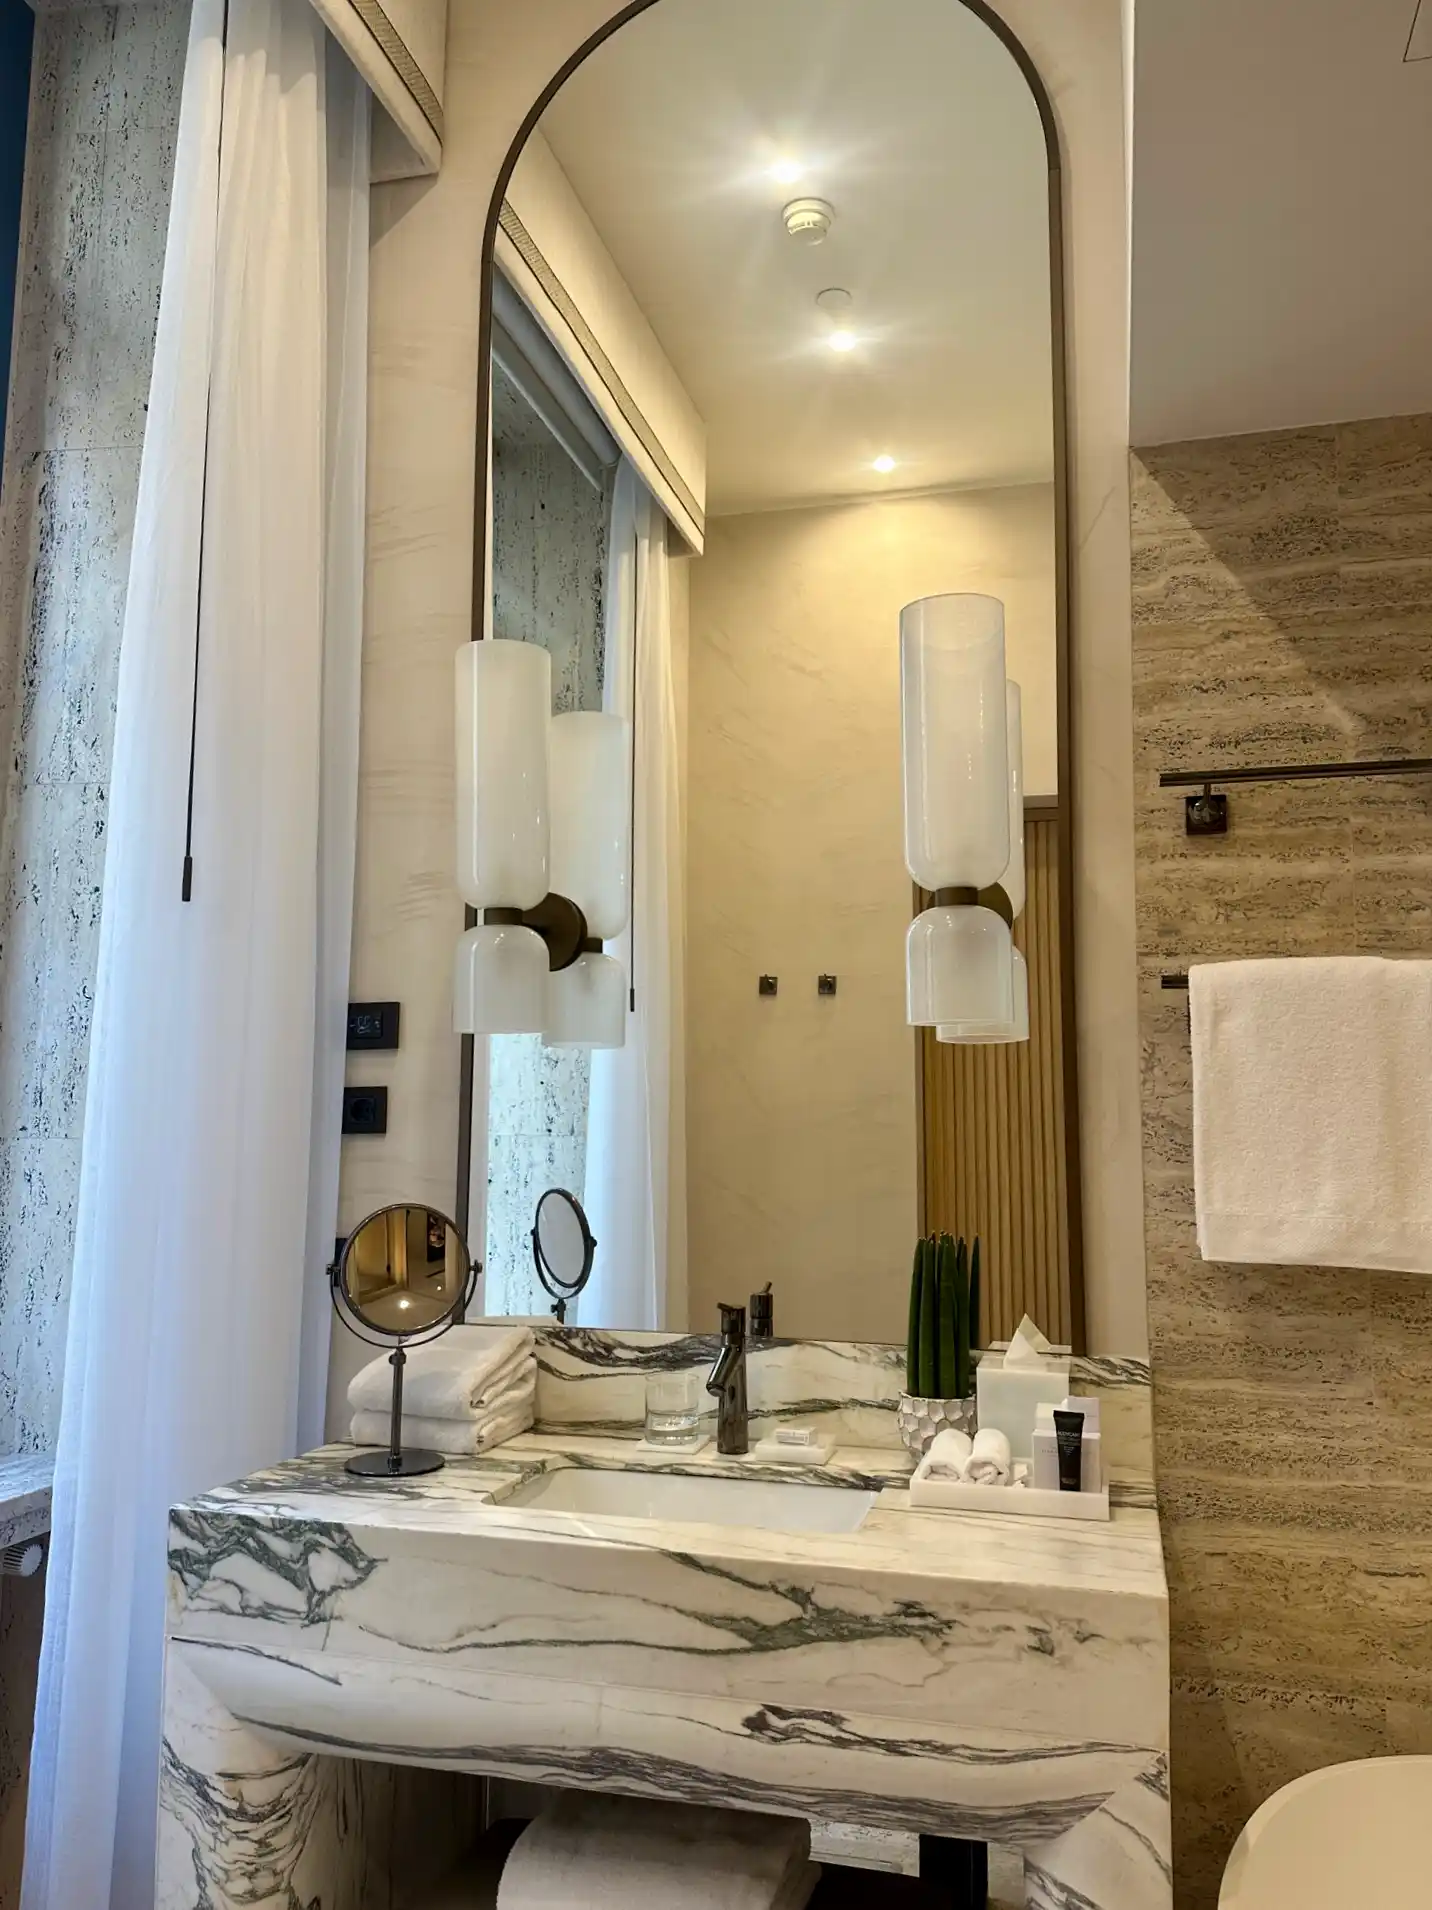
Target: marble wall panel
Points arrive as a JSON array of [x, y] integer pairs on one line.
[[1280, 590]]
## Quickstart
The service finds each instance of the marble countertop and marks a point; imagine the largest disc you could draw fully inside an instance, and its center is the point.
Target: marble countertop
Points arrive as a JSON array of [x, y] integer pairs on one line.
[[26, 1479], [1124, 1556]]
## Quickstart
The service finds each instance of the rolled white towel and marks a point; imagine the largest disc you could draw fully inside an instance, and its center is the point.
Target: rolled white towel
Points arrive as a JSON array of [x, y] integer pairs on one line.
[[513, 1414], [611, 1853], [989, 1460], [948, 1455], [460, 1376]]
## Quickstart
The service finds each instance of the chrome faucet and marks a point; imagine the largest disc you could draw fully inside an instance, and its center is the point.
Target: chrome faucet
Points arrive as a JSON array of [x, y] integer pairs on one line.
[[727, 1380]]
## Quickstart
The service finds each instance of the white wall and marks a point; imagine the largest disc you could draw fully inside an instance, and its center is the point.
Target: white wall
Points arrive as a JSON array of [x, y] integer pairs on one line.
[[1282, 248]]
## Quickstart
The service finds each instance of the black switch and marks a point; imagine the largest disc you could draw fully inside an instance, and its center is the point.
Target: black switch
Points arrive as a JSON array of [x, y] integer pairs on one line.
[[365, 1110], [373, 1024]]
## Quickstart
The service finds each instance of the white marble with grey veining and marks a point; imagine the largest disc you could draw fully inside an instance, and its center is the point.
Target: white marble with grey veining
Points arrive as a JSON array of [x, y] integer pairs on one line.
[[595, 1382], [997, 1678]]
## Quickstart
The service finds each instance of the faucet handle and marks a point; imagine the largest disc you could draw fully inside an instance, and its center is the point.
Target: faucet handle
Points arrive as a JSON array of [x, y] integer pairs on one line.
[[763, 1314], [733, 1321]]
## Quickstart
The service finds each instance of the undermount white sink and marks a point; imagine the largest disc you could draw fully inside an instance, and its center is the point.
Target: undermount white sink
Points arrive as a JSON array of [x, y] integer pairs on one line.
[[774, 1506]]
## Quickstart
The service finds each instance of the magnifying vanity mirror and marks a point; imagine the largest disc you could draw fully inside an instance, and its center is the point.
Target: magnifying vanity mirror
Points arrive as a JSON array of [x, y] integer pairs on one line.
[[771, 351], [404, 1276], [563, 1249]]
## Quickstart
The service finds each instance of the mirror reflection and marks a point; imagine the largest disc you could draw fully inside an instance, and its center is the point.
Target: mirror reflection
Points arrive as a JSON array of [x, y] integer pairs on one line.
[[404, 1270], [563, 1249], [772, 359]]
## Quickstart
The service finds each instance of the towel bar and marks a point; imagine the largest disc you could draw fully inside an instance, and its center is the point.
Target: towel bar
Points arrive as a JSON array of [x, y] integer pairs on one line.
[[1206, 814]]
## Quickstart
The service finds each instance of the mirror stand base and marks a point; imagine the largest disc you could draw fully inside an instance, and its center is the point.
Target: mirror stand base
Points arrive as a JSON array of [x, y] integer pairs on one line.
[[408, 1464]]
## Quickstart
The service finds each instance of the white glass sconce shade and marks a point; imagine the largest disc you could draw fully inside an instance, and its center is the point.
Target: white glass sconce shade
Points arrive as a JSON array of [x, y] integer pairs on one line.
[[964, 1034], [500, 981], [958, 968], [955, 725], [591, 817], [587, 1004], [1013, 879], [504, 713]]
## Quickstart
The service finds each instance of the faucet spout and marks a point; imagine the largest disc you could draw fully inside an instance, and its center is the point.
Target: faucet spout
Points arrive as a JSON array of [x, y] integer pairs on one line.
[[727, 1381]]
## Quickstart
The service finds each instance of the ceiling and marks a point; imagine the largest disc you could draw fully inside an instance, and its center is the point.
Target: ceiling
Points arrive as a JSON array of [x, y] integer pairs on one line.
[[914, 122], [1282, 214]]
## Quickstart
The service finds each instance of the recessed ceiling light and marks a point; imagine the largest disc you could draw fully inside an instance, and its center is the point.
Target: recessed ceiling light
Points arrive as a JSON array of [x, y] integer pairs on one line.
[[884, 462], [785, 172], [841, 340]]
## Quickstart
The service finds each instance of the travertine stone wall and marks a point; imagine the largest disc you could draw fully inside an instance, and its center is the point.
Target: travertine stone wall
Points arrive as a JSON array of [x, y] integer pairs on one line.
[[104, 111], [1282, 590]]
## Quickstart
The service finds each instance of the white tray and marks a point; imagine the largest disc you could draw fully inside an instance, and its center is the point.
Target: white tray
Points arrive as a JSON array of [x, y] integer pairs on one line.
[[1014, 1501]]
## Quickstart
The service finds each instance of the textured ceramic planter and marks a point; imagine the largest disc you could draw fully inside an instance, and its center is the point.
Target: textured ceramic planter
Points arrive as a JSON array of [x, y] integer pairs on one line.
[[920, 1419]]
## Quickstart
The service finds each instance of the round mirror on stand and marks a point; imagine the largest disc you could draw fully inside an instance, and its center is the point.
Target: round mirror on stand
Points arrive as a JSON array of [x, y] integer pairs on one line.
[[404, 1275], [564, 1247]]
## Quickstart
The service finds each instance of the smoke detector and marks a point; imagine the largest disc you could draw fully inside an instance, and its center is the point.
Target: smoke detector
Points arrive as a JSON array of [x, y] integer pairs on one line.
[[808, 220]]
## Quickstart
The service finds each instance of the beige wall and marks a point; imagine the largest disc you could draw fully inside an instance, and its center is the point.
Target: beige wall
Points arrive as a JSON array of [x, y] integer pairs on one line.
[[427, 236], [1281, 615], [801, 1109]]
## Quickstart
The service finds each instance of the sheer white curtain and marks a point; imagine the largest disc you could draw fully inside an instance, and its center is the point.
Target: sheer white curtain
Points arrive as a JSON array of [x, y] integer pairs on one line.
[[636, 1126], [188, 1305]]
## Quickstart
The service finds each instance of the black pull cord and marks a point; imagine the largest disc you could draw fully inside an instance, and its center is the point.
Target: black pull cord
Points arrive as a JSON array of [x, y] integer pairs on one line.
[[631, 792], [186, 886]]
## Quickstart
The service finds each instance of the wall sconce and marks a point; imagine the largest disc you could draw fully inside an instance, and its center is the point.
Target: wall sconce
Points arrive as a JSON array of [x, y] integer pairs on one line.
[[543, 854], [964, 818]]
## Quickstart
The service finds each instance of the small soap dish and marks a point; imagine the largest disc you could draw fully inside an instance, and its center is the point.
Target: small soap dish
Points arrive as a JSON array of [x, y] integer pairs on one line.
[[658, 1449], [1012, 1501]]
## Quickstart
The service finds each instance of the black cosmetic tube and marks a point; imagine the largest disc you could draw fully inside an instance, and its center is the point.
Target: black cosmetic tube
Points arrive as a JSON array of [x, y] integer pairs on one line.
[[1069, 1438]]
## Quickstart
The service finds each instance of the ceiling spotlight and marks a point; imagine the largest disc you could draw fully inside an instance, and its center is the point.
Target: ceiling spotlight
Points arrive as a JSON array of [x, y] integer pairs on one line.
[[785, 172], [841, 340], [884, 463]]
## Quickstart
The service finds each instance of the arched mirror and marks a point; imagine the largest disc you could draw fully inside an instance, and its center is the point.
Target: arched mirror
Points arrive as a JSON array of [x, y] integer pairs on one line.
[[772, 352]]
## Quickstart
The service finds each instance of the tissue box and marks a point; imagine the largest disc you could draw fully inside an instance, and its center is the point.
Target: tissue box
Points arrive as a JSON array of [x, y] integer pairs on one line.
[[1009, 1397]]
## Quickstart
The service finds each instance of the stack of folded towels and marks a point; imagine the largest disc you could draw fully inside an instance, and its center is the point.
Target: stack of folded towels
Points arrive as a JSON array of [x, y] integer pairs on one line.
[[981, 1461], [622, 1853], [463, 1393]]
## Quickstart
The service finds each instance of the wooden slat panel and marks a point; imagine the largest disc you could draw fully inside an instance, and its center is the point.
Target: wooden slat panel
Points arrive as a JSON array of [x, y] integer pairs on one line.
[[993, 1160]]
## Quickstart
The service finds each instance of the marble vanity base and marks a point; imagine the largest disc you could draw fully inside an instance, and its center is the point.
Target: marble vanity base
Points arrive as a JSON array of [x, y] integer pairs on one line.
[[256, 1813], [345, 1658], [245, 1820]]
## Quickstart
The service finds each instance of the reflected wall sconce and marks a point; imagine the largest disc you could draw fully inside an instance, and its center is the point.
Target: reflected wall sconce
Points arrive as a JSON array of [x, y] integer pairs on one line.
[[964, 820], [543, 854]]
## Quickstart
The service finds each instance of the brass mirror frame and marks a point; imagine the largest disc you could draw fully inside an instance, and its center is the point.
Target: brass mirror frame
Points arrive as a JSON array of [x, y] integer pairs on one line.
[[1063, 594]]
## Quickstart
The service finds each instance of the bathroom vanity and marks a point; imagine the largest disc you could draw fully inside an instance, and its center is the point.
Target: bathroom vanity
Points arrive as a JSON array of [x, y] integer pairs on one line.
[[573, 1610]]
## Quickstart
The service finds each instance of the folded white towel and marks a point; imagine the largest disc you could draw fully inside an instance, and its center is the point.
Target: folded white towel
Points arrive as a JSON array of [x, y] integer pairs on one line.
[[989, 1460], [512, 1414], [948, 1455], [610, 1853], [1312, 1111], [456, 1377]]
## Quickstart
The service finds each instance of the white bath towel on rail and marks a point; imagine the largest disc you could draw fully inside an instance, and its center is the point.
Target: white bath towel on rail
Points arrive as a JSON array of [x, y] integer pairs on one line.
[[622, 1852], [1312, 1111]]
